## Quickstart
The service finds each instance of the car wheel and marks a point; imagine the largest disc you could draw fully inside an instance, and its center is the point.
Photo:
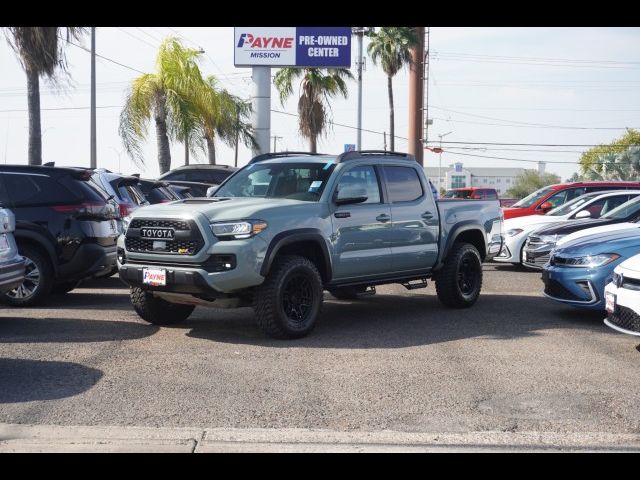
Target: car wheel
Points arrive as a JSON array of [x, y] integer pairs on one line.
[[156, 310], [38, 281], [459, 282], [289, 301]]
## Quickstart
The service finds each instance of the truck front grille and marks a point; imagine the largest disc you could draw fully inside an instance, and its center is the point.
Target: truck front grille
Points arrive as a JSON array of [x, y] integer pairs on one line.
[[187, 241]]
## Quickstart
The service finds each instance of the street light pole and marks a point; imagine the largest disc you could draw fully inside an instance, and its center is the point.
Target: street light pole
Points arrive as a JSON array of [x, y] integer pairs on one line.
[[94, 152], [359, 32], [440, 161]]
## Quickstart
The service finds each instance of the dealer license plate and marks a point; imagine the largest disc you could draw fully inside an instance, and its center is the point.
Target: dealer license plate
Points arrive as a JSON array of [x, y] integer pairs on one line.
[[154, 276], [610, 302]]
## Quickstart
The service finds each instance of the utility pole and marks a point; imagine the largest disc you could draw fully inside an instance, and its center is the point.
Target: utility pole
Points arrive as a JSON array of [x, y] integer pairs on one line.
[[359, 33], [427, 121], [440, 162], [94, 158], [416, 96], [385, 141], [275, 139], [186, 149]]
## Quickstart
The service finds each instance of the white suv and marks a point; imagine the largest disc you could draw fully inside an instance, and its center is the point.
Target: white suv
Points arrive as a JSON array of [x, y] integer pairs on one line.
[[622, 297]]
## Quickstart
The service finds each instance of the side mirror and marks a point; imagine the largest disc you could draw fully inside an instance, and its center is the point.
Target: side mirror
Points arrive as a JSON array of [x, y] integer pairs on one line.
[[212, 190], [349, 195], [546, 206], [583, 214]]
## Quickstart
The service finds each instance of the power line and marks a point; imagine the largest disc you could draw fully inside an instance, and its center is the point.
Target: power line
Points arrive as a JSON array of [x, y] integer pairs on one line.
[[524, 144], [532, 126], [137, 38], [543, 59], [103, 57], [340, 124], [537, 125], [533, 161]]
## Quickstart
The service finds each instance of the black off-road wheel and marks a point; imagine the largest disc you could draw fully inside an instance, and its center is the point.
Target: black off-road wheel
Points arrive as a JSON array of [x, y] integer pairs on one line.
[[158, 311], [38, 281], [289, 301], [347, 293], [459, 282]]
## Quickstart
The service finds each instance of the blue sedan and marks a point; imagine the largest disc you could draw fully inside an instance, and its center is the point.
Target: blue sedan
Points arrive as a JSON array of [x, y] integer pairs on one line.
[[578, 271]]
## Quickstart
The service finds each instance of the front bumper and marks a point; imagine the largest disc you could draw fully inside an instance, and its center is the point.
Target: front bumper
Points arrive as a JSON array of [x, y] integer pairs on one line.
[[510, 252], [625, 317], [89, 260], [11, 274], [578, 287]]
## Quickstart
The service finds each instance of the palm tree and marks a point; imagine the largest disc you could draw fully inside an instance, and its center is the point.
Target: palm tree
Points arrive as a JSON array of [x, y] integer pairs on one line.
[[616, 166], [318, 86], [41, 53], [227, 118], [391, 47], [174, 95]]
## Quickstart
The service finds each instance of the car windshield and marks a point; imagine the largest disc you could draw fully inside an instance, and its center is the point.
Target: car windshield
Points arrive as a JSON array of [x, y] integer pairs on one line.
[[458, 194], [529, 200], [632, 207], [296, 181], [572, 205]]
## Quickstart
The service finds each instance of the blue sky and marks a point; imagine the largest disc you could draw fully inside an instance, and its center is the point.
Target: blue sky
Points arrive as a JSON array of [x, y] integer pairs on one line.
[[495, 85]]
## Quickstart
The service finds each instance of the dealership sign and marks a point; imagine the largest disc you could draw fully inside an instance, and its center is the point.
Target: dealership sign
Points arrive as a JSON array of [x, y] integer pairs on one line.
[[292, 46]]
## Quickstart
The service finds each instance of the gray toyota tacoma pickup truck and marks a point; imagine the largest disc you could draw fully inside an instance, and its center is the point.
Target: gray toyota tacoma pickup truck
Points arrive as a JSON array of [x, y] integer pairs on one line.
[[287, 226]]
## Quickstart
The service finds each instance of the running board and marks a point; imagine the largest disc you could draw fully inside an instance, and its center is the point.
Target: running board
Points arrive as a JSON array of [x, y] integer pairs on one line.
[[414, 286]]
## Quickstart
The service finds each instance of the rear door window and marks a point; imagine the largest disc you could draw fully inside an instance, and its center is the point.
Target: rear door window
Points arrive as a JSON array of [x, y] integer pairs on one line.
[[403, 184], [28, 189]]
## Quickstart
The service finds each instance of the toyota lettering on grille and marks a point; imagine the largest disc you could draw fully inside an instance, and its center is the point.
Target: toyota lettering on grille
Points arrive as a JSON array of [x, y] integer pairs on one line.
[[158, 233]]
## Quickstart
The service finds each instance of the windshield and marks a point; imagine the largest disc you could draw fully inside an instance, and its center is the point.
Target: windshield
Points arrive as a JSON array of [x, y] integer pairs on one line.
[[572, 205], [458, 194], [625, 210], [529, 200], [296, 181]]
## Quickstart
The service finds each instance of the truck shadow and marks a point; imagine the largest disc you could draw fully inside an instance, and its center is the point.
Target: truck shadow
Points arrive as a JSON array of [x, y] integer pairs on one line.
[[70, 330], [394, 321], [79, 300], [33, 380]]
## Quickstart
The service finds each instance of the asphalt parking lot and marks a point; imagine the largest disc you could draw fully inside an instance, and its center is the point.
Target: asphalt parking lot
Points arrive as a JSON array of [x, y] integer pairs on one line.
[[394, 361]]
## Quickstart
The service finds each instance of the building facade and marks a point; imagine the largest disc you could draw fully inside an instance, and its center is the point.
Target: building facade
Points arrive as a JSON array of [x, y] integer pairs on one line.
[[457, 176]]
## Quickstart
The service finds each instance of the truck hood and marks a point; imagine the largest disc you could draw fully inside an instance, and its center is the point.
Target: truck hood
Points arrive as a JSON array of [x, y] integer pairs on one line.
[[221, 208], [598, 243]]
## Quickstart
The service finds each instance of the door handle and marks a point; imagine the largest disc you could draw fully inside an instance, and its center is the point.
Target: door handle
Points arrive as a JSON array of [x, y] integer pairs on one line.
[[384, 218], [427, 215], [342, 214]]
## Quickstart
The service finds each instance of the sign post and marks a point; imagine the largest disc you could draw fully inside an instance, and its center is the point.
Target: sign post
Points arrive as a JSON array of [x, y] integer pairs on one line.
[[299, 47]]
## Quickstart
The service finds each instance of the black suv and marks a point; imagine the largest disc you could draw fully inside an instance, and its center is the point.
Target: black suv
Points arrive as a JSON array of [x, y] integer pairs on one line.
[[65, 228], [191, 175]]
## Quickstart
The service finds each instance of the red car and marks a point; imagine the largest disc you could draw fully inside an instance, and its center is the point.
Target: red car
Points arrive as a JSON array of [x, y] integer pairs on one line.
[[476, 193], [547, 198]]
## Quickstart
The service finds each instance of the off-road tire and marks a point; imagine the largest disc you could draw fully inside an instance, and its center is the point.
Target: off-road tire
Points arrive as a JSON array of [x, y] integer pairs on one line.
[[450, 285], [156, 310], [270, 299], [347, 293], [45, 281]]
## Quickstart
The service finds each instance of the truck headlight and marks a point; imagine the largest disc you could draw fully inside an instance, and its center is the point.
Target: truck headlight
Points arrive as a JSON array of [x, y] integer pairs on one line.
[[591, 261], [514, 231], [238, 230]]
